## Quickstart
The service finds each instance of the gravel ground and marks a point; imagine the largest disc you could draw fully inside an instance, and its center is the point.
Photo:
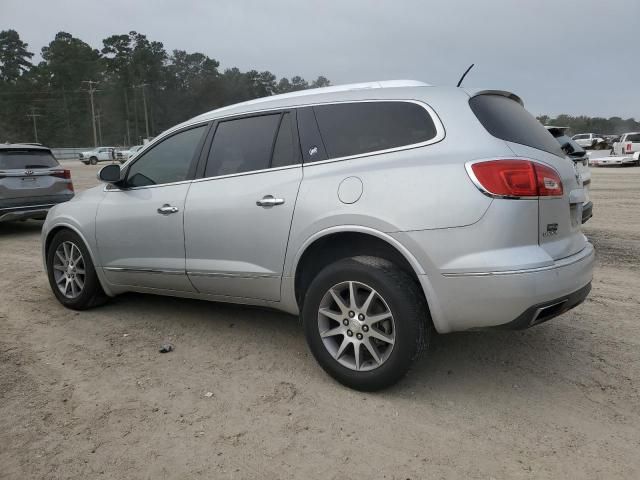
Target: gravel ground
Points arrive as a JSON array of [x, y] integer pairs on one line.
[[87, 395]]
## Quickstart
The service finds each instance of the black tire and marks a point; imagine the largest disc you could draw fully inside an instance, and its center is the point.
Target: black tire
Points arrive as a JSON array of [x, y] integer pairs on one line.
[[93, 161], [406, 303], [92, 294]]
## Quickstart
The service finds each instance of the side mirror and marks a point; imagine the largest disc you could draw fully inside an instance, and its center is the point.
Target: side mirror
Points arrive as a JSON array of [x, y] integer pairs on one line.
[[109, 174]]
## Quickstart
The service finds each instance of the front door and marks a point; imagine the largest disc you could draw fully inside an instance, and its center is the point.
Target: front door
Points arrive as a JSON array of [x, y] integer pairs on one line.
[[139, 226], [238, 217]]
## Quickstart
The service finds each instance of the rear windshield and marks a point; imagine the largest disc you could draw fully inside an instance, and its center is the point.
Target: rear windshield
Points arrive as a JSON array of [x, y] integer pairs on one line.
[[23, 159], [506, 119]]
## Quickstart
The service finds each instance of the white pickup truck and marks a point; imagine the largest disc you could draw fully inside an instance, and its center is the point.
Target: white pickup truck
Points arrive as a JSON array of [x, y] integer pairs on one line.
[[628, 144], [100, 154]]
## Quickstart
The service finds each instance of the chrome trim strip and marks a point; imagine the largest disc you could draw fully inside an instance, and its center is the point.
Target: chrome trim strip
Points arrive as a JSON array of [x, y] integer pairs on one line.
[[231, 275], [143, 270], [28, 208], [557, 264]]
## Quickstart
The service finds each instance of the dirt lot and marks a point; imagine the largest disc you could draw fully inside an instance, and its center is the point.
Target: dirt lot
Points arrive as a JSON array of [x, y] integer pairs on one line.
[[87, 395]]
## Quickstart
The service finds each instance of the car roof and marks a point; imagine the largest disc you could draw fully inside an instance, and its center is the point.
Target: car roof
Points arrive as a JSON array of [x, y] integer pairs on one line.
[[309, 96], [23, 146]]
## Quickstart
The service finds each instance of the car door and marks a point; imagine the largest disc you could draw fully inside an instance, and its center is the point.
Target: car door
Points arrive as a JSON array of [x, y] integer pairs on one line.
[[139, 225], [238, 215]]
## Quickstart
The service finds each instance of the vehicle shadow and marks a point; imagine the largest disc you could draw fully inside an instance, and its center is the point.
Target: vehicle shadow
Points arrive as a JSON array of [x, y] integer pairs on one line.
[[478, 362], [18, 229]]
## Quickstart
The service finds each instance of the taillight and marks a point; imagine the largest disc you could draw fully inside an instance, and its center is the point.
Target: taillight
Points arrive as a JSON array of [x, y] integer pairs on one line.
[[66, 174], [516, 178]]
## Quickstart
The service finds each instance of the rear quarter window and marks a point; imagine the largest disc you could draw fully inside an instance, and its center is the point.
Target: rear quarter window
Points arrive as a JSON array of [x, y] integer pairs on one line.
[[506, 119], [364, 127], [26, 159]]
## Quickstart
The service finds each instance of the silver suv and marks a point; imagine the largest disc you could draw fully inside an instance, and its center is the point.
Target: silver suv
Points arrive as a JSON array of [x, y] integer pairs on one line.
[[377, 212], [31, 182]]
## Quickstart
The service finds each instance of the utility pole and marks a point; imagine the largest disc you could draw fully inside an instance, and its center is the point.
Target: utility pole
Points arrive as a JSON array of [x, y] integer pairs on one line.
[[98, 117], [34, 115], [127, 141], [144, 102], [91, 89]]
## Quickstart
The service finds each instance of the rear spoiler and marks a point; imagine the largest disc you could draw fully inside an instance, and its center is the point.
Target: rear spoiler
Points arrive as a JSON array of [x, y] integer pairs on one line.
[[504, 93]]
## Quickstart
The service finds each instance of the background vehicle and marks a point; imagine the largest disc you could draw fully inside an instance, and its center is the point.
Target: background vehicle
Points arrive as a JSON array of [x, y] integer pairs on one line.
[[31, 182], [581, 161], [591, 140], [101, 154], [628, 144], [398, 227], [124, 155]]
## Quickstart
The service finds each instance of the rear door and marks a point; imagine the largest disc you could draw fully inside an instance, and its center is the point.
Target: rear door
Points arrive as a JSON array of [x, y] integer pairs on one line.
[[238, 215], [560, 218], [31, 176]]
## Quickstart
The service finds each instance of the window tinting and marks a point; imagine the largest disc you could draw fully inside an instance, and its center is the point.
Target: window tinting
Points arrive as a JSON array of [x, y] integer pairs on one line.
[[26, 159], [242, 145], [633, 137], [506, 119], [362, 127], [283, 151], [167, 162]]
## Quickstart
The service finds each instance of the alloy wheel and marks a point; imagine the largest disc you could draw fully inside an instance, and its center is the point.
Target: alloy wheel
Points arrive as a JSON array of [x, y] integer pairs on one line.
[[356, 326], [69, 269]]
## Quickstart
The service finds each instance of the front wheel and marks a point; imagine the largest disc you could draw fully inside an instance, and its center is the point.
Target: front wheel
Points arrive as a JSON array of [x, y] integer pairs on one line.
[[93, 161], [365, 321], [71, 273]]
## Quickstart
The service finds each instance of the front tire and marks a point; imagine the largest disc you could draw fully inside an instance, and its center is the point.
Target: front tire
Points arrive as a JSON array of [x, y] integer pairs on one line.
[[93, 161], [71, 273], [365, 321]]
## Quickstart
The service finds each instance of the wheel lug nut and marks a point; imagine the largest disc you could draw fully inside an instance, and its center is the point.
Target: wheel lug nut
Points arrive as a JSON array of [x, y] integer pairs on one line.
[[365, 328], [345, 322], [361, 317], [359, 336], [352, 314], [349, 333]]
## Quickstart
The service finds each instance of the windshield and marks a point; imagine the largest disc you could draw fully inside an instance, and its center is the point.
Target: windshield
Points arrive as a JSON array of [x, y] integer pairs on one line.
[[26, 159]]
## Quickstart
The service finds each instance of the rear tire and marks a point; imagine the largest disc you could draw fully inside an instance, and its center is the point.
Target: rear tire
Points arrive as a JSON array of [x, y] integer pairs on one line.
[[387, 348], [71, 273], [93, 161]]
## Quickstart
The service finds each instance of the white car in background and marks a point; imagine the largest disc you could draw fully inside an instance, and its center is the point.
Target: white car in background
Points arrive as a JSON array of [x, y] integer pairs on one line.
[[580, 161], [100, 154], [590, 140], [124, 155], [628, 144]]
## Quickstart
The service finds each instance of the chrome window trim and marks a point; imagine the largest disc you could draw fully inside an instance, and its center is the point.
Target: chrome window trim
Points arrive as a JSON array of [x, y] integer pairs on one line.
[[439, 136]]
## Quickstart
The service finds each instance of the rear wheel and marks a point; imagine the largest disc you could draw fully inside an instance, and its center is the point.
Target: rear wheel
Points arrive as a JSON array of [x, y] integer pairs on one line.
[[93, 160], [365, 321], [72, 276]]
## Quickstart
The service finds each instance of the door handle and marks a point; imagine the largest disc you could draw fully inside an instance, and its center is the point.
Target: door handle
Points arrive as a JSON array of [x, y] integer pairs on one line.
[[269, 201], [167, 209]]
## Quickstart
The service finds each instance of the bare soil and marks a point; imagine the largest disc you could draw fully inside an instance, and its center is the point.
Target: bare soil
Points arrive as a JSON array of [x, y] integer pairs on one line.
[[87, 395]]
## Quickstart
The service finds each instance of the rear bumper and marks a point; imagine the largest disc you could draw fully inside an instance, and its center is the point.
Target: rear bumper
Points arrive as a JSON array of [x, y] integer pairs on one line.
[[490, 299], [35, 208]]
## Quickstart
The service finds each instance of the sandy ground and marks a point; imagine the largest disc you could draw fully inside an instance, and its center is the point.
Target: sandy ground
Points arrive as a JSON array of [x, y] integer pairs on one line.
[[87, 395]]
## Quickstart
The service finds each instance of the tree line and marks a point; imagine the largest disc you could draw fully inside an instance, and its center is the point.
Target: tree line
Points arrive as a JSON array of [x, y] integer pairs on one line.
[[138, 88]]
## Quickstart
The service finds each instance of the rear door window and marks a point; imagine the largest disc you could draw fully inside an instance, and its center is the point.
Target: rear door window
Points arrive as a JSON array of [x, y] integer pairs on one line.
[[26, 159], [507, 119], [243, 145], [364, 127]]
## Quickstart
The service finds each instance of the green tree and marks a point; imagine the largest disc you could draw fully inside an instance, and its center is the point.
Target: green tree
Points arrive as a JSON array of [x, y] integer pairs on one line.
[[15, 59]]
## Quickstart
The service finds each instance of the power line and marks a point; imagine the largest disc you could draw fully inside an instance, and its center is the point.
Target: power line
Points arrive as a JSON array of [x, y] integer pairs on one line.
[[91, 90], [34, 115]]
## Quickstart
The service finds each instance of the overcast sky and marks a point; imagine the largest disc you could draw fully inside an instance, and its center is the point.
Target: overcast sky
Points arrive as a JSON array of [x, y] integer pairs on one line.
[[561, 56]]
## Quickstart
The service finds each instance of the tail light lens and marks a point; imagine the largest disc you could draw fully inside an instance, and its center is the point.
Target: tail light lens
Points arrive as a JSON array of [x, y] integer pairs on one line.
[[66, 174], [516, 178]]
